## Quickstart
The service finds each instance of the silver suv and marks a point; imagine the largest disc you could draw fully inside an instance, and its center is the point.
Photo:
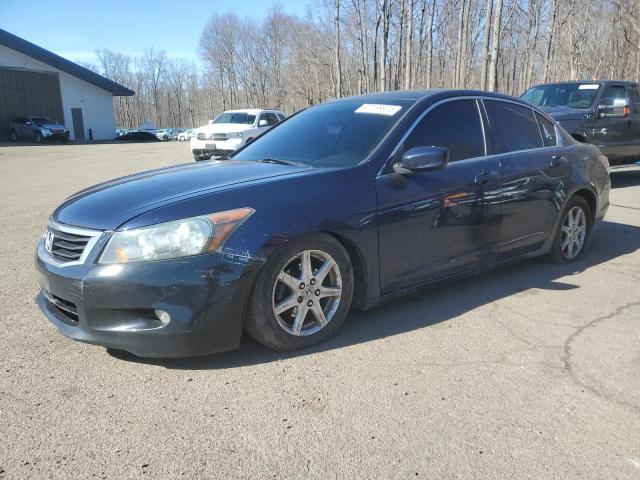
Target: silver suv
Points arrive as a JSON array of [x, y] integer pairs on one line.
[[37, 129]]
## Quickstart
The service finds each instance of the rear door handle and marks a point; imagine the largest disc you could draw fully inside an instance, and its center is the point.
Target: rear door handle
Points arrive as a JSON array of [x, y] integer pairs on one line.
[[485, 176], [557, 160]]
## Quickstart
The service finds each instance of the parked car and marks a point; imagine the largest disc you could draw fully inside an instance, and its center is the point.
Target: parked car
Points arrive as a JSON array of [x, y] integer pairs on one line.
[[37, 129], [348, 203], [187, 134], [167, 134], [230, 130], [604, 112], [138, 136]]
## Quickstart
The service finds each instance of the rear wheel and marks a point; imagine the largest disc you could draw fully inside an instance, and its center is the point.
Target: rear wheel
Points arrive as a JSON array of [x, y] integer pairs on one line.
[[574, 232], [302, 294], [14, 136]]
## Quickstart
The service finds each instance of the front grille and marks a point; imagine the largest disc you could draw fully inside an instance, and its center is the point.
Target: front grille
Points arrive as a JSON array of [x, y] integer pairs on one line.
[[65, 307], [221, 137], [202, 136], [65, 246]]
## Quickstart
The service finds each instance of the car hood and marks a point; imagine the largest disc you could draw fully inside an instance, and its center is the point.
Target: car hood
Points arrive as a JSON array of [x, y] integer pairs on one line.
[[51, 125], [564, 113], [108, 205], [224, 128]]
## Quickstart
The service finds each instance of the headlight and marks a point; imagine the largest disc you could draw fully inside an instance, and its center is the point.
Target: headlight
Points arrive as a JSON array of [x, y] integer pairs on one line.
[[234, 135], [180, 238], [45, 131]]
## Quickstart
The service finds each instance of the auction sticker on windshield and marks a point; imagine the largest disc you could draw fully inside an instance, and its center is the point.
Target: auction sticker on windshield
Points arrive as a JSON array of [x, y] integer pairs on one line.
[[590, 86], [378, 109]]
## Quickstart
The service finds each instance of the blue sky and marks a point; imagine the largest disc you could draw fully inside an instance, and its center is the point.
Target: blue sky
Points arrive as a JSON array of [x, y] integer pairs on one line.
[[75, 28]]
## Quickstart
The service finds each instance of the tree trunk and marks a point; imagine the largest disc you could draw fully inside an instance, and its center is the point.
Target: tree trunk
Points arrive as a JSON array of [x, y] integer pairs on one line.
[[495, 47], [338, 60], [486, 35]]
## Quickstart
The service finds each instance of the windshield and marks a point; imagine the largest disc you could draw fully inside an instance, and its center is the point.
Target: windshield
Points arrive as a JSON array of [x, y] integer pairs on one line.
[[235, 117], [573, 95], [339, 134], [40, 120]]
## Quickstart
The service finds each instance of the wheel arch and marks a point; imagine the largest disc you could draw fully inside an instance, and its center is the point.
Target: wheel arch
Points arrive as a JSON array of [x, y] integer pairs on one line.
[[580, 137], [590, 198], [359, 264]]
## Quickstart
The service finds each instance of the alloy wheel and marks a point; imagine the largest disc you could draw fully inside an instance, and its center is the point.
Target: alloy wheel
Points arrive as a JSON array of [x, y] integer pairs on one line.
[[574, 232], [307, 292]]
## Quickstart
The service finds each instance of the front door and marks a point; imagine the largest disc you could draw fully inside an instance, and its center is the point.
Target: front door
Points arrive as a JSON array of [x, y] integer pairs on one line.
[[435, 224], [634, 100], [535, 175], [78, 123], [613, 134]]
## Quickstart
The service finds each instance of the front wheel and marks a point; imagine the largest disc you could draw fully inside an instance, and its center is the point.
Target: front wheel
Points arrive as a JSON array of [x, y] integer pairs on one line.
[[200, 156], [302, 294], [574, 232], [38, 137]]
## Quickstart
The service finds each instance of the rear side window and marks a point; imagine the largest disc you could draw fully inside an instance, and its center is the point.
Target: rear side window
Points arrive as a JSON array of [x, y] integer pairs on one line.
[[548, 131], [514, 127], [453, 125]]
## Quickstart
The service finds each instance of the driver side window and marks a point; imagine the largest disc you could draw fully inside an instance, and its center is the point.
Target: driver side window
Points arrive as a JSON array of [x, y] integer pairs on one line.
[[454, 125], [614, 100]]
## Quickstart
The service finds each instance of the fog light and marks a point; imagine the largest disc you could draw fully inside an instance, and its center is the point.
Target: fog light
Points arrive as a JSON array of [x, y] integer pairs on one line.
[[163, 316]]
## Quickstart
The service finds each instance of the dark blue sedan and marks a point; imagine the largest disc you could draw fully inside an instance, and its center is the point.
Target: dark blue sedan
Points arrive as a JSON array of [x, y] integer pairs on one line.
[[346, 204]]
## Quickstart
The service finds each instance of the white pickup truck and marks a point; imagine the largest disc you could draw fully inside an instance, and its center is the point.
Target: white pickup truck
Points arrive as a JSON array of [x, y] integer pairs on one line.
[[230, 130]]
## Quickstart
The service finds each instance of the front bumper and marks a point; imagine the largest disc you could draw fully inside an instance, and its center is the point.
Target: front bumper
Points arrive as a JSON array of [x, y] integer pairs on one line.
[[215, 148], [114, 305], [56, 136]]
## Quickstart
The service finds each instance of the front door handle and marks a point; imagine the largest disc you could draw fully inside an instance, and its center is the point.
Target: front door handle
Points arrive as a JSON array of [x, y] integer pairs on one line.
[[485, 176]]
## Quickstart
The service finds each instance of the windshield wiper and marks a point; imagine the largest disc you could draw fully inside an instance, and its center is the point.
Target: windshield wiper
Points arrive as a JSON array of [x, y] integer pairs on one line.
[[281, 162]]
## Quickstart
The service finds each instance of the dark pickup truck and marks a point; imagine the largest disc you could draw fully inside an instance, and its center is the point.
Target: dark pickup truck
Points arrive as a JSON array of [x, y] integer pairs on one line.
[[605, 113]]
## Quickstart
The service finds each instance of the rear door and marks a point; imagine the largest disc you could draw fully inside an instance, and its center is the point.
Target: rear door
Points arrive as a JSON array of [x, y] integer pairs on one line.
[[535, 175], [436, 224]]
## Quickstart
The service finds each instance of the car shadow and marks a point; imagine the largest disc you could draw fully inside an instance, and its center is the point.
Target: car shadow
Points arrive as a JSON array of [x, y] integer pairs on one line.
[[629, 177], [428, 307]]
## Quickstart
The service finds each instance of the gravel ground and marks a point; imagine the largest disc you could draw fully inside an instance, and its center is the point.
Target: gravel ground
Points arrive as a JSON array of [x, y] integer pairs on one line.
[[532, 371]]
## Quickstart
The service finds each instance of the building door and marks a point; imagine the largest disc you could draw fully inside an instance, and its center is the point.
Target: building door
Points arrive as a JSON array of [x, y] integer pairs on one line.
[[78, 123], [24, 92]]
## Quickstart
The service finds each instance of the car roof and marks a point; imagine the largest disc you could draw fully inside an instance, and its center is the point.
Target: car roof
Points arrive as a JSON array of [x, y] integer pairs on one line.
[[416, 95], [252, 111], [588, 82]]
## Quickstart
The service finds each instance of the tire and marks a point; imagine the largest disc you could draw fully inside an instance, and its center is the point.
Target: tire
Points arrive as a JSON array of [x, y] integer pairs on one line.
[[165, 138], [576, 218], [38, 137], [13, 136], [291, 330], [198, 157]]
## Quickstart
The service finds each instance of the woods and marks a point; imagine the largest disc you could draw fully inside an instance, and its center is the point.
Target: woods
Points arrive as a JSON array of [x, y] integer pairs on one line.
[[350, 47]]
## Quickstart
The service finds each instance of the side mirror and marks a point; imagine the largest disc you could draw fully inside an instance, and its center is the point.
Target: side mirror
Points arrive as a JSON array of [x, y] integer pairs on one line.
[[210, 122], [262, 123], [619, 109], [422, 159], [28, 122]]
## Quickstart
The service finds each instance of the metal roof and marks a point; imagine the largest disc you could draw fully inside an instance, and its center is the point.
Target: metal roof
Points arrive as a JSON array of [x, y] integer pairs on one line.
[[27, 48]]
